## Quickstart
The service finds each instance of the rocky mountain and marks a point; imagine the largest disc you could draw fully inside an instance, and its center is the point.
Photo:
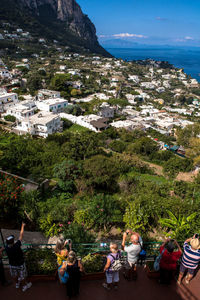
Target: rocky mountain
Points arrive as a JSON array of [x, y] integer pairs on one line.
[[61, 20]]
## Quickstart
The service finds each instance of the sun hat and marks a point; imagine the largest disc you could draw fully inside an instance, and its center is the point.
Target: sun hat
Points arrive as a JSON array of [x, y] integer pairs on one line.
[[195, 244]]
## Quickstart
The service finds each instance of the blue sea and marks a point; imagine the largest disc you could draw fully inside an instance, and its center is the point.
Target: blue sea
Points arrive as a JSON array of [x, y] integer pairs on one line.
[[186, 58]]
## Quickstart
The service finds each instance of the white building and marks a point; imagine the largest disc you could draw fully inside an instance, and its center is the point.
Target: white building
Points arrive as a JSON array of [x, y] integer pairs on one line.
[[22, 110], [52, 104], [134, 78], [41, 124], [105, 111], [4, 73], [7, 100], [147, 85], [44, 94]]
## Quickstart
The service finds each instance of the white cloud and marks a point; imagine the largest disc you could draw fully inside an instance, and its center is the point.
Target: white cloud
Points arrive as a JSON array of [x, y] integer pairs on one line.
[[161, 19], [189, 38], [185, 39], [129, 35]]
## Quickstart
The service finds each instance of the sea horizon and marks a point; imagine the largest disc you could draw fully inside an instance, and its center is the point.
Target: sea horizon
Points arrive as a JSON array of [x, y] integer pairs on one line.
[[187, 58]]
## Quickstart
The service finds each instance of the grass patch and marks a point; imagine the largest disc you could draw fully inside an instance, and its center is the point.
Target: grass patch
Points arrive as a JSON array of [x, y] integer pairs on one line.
[[75, 128], [148, 177]]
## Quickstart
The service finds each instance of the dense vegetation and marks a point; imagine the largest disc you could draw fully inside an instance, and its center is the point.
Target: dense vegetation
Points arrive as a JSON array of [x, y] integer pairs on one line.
[[97, 182]]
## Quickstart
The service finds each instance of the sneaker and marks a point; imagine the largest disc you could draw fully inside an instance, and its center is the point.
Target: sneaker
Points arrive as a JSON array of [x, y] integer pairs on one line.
[[178, 282], [115, 287], [26, 287], [17, 285], [106, 286]]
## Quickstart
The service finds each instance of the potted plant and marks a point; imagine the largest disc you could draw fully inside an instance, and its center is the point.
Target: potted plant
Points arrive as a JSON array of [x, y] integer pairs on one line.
[[41, 264], [93, 266], [151, 273]]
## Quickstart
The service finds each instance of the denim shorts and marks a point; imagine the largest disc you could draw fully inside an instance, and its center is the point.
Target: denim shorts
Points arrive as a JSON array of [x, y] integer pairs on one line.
[[183, 269], [112, 277]]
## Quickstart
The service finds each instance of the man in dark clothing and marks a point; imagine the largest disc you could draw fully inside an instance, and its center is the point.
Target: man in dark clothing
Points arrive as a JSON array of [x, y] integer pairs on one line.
[[16, 261]]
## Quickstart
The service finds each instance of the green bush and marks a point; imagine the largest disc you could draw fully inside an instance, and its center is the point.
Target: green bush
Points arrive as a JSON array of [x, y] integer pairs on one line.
[[41, 262], [10, 118], [93, 263]]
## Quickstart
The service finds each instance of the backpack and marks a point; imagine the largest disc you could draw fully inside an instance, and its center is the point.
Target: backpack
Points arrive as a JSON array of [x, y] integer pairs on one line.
[[156, 264], [63, 278], [116, 264]]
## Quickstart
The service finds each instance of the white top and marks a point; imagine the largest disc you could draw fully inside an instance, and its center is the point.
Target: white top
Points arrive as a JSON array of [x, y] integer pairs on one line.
[[132, 252]]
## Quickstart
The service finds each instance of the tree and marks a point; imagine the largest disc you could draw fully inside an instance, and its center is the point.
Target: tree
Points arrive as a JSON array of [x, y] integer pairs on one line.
[[143, 146], [120, 102], [99, 212], [81, 146], [117, 146], [184, 135], [194, 150], [100, 172], [176, 164], [10, 118], [10, 196], [34, 82], [135, 217], [177, 226], [67, 172], [60, 82]]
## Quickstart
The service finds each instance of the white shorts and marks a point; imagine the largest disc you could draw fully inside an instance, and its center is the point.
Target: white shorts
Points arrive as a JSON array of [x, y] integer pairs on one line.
[[112, 277]]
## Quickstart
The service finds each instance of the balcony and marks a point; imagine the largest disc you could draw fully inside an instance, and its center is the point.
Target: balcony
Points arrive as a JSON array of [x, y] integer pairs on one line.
[[142, 289]]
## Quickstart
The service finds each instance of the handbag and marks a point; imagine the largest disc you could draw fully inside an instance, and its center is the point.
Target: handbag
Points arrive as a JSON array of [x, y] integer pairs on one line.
[[63, 278], [156, 264]]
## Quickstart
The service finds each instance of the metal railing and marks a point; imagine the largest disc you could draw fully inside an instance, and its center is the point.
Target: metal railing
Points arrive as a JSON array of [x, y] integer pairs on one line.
[[82, 249]]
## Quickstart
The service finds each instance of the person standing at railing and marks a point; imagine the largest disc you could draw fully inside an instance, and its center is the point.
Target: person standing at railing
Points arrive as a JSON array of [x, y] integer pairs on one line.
[[3, 280], [133, 252], [112, 267], [16, 260], [190, 259], [73, 267], [61, 251], [168, 262]]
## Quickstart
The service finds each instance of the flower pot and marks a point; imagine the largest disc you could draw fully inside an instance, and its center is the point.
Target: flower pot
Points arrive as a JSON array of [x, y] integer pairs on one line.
[[34, 278]]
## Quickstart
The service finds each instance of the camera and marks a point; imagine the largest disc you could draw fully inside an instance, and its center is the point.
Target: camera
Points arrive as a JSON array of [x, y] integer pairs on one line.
[[196, 236], [68, 241]]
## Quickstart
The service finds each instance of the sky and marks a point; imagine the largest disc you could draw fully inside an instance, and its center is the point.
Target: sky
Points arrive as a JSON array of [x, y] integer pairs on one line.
[[173, 22]]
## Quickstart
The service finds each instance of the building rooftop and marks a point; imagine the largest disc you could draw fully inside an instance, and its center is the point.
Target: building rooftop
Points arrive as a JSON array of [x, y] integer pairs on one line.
[[42, 118], [53, 101]]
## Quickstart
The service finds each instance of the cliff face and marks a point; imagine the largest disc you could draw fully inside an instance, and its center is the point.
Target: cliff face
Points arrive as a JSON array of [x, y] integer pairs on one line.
[[69, 12], [60, 17]]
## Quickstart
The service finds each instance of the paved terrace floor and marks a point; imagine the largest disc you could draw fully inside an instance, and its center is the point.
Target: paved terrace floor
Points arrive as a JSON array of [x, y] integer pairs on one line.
[[142, 289]]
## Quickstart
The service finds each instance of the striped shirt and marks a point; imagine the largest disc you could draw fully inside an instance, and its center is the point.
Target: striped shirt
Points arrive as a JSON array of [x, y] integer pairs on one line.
[[191, 258]]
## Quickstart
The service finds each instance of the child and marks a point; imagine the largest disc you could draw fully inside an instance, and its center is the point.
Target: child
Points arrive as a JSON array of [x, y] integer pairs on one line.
[[111, 275]]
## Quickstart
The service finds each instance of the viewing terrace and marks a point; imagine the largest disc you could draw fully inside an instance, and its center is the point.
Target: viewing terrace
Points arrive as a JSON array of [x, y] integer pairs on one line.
[[142, 289]]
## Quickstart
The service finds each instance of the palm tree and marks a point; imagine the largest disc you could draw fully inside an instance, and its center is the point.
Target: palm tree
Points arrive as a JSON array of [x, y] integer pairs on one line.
[[177, 225]]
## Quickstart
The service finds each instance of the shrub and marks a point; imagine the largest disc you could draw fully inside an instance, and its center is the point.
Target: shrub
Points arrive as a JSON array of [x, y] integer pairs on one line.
[[10, 118]]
